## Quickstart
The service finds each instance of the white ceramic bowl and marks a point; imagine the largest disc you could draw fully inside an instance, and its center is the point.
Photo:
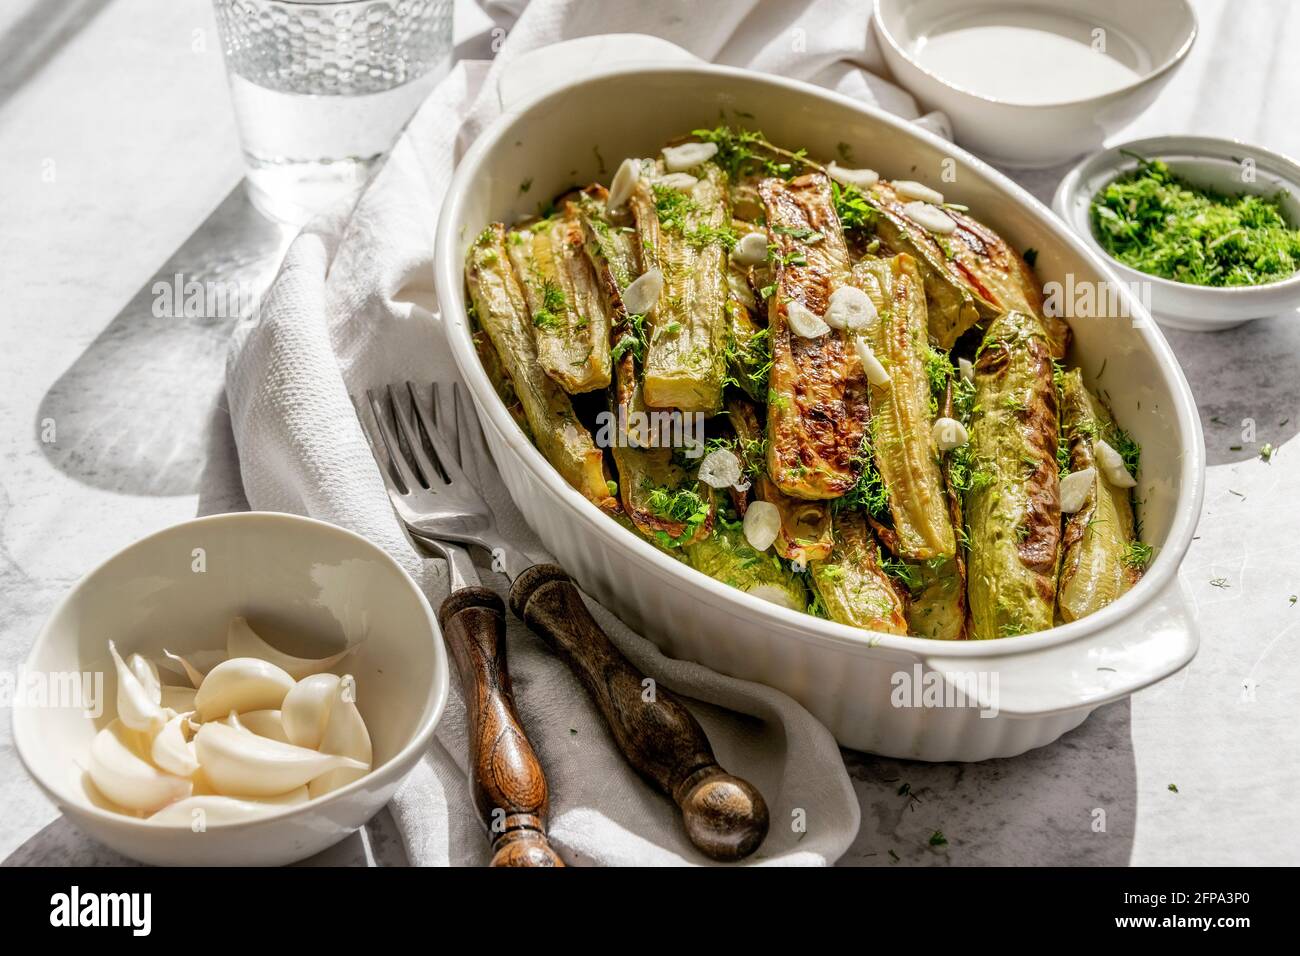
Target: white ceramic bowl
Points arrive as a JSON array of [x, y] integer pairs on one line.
[[1150, 38], [1047, 683], [291, 577], [1225, 165]]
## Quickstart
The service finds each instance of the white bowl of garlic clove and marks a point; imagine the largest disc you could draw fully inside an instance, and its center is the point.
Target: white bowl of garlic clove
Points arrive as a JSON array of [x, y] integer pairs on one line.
[[271, 680]]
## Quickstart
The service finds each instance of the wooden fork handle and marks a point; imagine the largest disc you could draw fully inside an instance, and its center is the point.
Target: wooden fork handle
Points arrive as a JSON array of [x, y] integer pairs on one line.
[[725, 816], [509, 787]]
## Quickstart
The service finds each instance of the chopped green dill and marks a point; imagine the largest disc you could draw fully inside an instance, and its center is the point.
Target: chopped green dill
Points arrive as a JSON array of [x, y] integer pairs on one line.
[[844, 151], [906, 574], [549, 316], [633, 340], [1163, 225], [1221, 583], [869, 493], [1173, 788], [938, 839], [1266, 451], [526, 185], [612, 486], [852, 208], [750, 359], [1138, 555], [683, 506]]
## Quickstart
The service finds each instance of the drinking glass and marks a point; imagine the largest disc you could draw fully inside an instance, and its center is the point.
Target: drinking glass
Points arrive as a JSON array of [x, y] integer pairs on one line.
[[322, 88]]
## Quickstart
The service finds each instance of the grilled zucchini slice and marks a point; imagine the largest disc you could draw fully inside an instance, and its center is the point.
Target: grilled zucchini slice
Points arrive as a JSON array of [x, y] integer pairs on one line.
[[1096, 565], [665, 503], [902, 437], [727, 557], [501, 384], [853, 587], [503, 314], [569, 326], [1015, 518], [684, 234], [817, 393], [805, 533]]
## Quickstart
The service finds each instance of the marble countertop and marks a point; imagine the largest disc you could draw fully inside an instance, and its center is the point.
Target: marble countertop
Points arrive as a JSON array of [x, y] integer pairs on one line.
[[120, 172]]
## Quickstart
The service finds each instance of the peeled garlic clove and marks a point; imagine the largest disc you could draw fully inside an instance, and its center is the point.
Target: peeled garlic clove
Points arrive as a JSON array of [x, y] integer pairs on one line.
[[682, 182], [146, 672], [643, 292], [804, 322], [238, 763], [857, 178], [1075, 488], [871, 367], [264, 723], [120, 771], [966, 368], [850, 309], [137, 707], [345, 735], [240, 684], [762, 524], [306, 708], [908, 189], [243, 641], [774, 594], [621, 186], [688, 155], [201, 812], [1112, 465], [179, 699], [193, 673], [720, 469], [949, 434], [931, 218], [171, 751], [750, 249]]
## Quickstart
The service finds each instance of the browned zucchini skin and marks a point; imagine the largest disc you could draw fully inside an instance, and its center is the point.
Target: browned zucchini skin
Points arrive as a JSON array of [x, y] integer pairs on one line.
[[854, 588], [500, 379], [818, 396]]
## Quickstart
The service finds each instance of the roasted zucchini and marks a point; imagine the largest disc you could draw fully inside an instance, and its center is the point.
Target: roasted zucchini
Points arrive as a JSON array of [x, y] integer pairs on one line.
[[503, 314], [501, 384], [902, 437], [817, 407], [684, 234], [727, 557], [1015, 516], [851, 584], [569, 326], [1099, 561]]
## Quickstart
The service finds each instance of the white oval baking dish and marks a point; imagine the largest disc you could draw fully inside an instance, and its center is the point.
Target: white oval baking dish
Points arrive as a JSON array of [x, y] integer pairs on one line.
[[1040, 685]]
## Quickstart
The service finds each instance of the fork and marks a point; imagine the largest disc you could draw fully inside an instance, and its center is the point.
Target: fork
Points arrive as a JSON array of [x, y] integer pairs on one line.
[[724, 816]]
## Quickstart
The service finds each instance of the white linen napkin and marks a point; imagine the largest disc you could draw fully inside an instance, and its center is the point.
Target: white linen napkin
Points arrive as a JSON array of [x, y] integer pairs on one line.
[[353, 307]]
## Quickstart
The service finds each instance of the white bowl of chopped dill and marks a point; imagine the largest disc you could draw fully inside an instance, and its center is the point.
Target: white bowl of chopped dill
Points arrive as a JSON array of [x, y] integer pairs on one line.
[[1205, 231]]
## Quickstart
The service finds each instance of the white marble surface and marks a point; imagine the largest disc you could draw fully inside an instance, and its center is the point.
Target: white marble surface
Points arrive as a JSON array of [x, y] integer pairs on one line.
[[119, 164]]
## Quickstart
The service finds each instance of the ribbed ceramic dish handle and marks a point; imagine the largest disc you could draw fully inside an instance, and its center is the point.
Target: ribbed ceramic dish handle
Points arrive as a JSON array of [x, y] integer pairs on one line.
[[725, 816], [509, 787], [1157, 640]]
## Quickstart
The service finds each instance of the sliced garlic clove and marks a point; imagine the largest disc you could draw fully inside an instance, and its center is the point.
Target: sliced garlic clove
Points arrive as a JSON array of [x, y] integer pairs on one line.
[[179, 699], [966, 368], [774, 594], [720, 469], [240, 684], [264, 723], [688, 155], [203, 811], [137, 708], [871, 367], [146, 672], [740, 291], [345, 735], [682, 182], [1075, 488], [238, 763], [120, 771], [804, 322], [750, 249], [171, 751], [850, 309], [857, 178], [949, 434], [930, 218], [1111, 464], [909, 189], [642, 293], [193, 673], [243, 641], [762, 524], [624, 181], [306, 708]]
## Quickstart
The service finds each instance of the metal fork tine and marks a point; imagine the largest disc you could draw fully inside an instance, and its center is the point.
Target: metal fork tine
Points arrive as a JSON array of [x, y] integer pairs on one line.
[[411, 435], [391, 445], [444, 416], [446, 457], [375, 441], [469, 435]]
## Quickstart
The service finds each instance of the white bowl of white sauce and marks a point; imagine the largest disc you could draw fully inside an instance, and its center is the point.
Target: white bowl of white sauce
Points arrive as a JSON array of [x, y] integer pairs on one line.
[[1033, 83]]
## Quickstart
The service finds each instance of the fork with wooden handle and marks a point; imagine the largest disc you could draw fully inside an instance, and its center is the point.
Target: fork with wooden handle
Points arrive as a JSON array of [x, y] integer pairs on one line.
[[724, 816]]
